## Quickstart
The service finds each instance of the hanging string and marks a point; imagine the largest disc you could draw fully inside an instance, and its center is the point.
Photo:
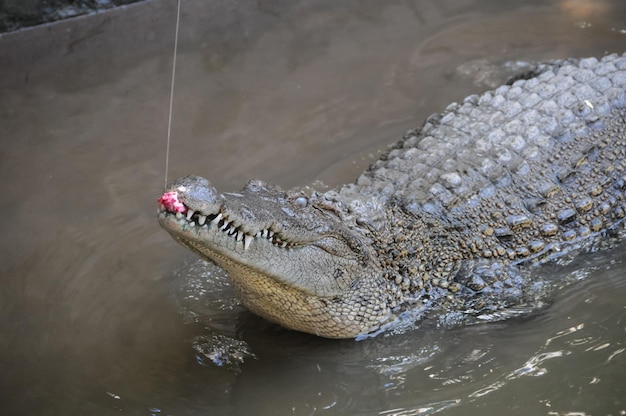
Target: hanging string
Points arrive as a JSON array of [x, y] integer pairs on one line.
[[169, 121]]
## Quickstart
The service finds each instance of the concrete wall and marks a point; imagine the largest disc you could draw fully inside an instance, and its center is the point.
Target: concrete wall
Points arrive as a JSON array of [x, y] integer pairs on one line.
[[17, 14]]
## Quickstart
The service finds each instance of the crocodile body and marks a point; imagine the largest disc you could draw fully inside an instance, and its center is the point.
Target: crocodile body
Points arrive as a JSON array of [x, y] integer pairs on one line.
[[450, 219]]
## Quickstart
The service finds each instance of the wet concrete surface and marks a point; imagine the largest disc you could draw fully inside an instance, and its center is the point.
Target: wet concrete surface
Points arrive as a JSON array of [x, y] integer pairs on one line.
[[102, 313]]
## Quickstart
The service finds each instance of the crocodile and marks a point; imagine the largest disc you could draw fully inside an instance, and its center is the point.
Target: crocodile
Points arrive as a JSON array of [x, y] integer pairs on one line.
[[454, 217]]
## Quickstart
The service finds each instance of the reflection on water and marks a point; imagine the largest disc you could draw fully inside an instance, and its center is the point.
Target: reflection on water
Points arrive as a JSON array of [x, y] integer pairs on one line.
[[101, 313], [585, 9]]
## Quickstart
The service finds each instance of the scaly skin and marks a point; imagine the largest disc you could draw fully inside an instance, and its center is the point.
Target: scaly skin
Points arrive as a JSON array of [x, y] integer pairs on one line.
[[449, 220]]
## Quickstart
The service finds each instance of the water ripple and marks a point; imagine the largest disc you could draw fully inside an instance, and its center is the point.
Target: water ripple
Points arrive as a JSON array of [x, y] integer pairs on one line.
[[428, 409]]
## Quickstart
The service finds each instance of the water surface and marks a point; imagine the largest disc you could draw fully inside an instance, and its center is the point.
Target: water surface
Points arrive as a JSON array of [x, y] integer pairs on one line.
[[102, 313]]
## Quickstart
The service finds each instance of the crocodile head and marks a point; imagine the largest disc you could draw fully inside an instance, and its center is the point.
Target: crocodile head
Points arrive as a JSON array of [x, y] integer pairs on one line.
[[292, 257]]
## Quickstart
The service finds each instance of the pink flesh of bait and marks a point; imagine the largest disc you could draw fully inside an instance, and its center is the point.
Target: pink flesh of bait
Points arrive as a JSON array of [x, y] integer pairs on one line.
[[171, 203]]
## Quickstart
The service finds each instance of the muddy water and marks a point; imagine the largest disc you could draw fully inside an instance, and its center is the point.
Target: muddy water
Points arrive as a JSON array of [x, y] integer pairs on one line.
[[101, 313]]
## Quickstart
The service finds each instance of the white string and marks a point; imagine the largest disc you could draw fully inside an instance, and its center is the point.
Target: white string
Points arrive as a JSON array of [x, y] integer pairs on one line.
[[169, 122]]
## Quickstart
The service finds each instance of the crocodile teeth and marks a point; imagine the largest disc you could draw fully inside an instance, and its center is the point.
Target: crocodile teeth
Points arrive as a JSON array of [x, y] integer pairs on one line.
[[226, 224], [246, 241], [179, 215], [270, 233], [284, 244], [217, 219], [190, 214], [240, 235], [201, 219]]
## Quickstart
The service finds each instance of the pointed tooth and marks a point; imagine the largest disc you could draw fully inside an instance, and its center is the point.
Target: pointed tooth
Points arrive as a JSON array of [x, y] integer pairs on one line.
[[284, 244], [226, 224], [239, 235], [179, 215], [190, 214], [201, 219], [232, 231], [270, 233], [217, 219], [257, 235], [247, 239], [264, 234]]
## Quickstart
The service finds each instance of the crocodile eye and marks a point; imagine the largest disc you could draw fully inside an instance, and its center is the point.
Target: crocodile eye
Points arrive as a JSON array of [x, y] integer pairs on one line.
[[301, 201]]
